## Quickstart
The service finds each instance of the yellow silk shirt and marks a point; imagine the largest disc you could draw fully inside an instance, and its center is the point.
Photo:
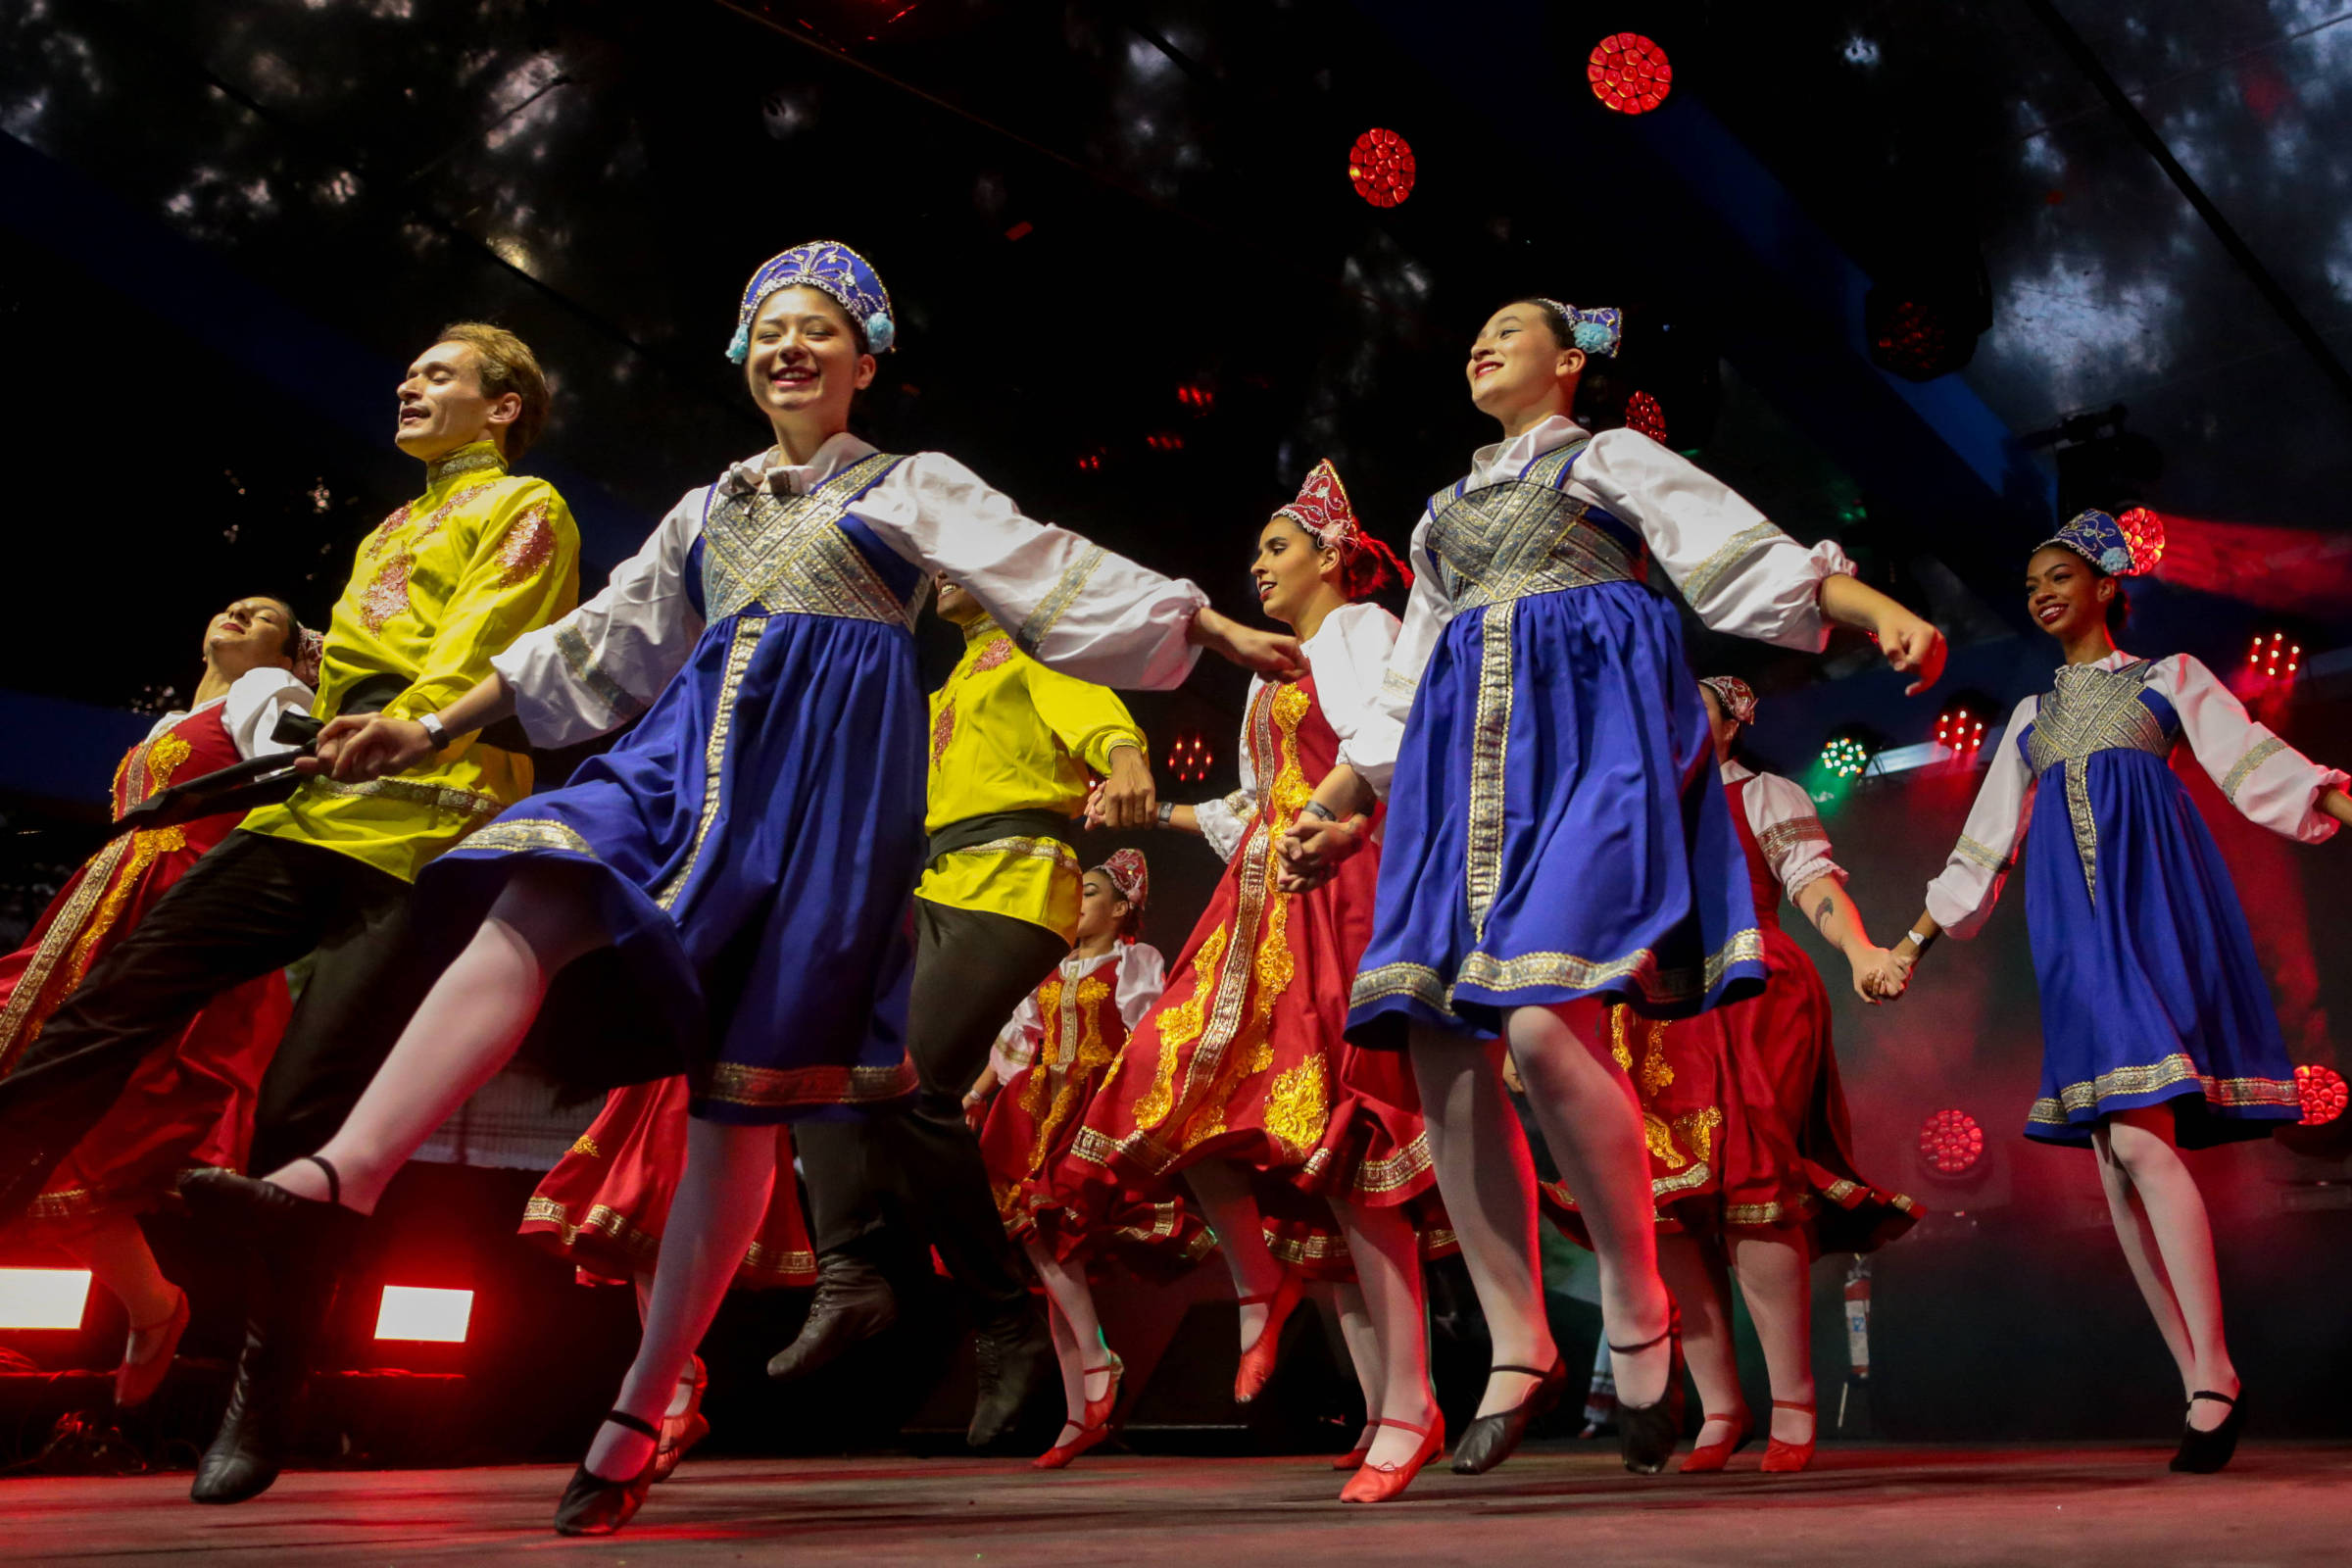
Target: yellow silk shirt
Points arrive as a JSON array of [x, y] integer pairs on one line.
[[1007, 734], [439, 586]]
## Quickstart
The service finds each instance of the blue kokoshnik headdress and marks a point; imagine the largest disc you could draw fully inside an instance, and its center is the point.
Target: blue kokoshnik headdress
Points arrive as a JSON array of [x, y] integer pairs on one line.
[[1596, 331], [832, 269], [2103, 542]]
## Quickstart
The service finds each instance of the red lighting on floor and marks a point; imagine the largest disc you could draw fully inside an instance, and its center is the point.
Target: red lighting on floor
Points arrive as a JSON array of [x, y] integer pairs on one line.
[[1629, 73], [1959, 730], [420, 1312], [1643, 414], [1951, 1143], [1195, 397], [1190, 759], [2144, 530], [2274, 658], [1380, 166], [2321, 1091], [43, 1298]]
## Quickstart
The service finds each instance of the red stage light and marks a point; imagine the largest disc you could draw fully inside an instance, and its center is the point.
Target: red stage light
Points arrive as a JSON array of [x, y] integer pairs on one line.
[[1195, 397], [2274, 658], [1190, 759], [2143, 529], [1951, 1143], [43, 1298], [1643, 414], [1959, 730], [1629, 73], [420, 1312], [1164, 441], [2321, 1091], [1381, 168]]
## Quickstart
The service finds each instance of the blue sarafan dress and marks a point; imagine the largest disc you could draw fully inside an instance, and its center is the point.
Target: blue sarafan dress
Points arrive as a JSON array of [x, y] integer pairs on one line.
[[754, 842], [2150, 990], [1557, 828]]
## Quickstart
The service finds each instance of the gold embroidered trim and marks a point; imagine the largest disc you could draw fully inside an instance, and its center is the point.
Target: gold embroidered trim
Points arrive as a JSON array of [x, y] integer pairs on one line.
[[2262, 752], [1051, 608], [1426, 985], [740, 647], [2089, 710], [1298, 1106], [1699, 583], [1374, 1177], [1027, 848], [1489, 745], [521, 833], [1521, 537], [637, 1242], [1970, 849], [1781, 835], [418, 792], [471, 458], [580, 659], [2177, 1069], [1397, 686], [1417, 981], [789, 554], [22, 1019]]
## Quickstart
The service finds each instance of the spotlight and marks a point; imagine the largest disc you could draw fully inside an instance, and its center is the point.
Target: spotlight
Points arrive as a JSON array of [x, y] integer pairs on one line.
[[2322, 1093], [2273, 658], [43, 1298], [1380, 166], [1164, 441], [420, 1312], [1924, 319], [1950, 1144], [1845, 756], [2144, 530], [1190, 759], [1629, 73], [1643, 414], [1195, 397], [1959, 731]]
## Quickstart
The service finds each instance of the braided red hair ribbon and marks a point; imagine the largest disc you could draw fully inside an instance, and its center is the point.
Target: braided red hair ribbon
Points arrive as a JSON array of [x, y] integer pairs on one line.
[[1323, 510]]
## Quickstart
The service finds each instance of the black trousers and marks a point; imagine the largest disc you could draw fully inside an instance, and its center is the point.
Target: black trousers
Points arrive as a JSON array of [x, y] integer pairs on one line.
[[921, 1164], [253, 905]]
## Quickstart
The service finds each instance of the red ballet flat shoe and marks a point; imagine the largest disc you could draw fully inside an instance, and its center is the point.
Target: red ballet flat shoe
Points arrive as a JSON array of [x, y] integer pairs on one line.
[[1354, 1458], [1058, 1456], [135, 1382], [1098, 1411], [1787, 1458], [681, 1432], [1378, 1483], [1710, 1457], [1257, 1361]]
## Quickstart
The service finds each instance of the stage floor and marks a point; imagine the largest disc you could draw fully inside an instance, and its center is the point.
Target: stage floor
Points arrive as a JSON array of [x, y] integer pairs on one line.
[[2086, 1507]]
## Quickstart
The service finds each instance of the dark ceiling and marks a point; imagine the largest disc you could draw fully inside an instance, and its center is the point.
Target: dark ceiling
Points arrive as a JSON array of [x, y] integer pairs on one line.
[[224, 227]]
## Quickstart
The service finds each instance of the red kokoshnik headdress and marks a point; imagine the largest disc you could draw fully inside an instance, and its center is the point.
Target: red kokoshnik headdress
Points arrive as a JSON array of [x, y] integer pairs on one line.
[[1130, 875], [1322, 509]]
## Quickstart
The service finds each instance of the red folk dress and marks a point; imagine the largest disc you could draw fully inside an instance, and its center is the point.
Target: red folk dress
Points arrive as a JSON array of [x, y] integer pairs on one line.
[[1060, 1045], [605, 1204], [1741, 1106], [1245, 1057], [191, 1105]]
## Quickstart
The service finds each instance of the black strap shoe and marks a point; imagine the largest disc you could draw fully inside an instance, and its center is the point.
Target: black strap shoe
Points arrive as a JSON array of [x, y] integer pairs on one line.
[[1647, 1434], [854, 1302], [591, 1505], [1015, 1355], [2203, 1452], [1491, 1439]]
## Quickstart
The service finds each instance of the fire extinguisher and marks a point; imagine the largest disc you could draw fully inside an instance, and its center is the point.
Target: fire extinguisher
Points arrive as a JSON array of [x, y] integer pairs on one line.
[[1857, 1318]]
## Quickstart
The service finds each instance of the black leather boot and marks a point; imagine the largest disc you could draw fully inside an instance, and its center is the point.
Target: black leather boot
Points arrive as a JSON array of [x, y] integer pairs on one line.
[[1014, 1351], [854, 1302]]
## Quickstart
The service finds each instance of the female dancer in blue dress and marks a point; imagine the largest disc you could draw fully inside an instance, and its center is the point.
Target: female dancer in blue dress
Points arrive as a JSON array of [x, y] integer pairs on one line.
[[724, 892], [2157, 1030], [1556, 831]]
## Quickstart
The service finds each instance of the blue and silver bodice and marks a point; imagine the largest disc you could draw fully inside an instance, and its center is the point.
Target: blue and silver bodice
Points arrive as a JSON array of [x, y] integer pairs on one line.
[[802, 555], [2089, 710], [1520, 537]]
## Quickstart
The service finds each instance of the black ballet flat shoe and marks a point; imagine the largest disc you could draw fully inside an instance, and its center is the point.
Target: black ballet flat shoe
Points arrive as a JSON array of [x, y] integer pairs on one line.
[[1647, 1434], [2203, 1452], [594, 1507], [248, 1452], [288, 1232], [1491, 1439], [854, 1302]]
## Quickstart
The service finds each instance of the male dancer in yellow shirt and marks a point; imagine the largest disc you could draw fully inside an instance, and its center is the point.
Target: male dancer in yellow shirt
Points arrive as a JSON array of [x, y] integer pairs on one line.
[[445, 582], [1014, 748]]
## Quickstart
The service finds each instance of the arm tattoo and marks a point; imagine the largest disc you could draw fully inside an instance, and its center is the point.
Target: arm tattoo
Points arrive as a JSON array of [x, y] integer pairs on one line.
[[1821, 915]]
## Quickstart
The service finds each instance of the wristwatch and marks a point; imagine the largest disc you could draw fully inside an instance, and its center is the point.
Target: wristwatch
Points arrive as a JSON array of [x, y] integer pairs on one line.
[[434, 729], [1318, 808]]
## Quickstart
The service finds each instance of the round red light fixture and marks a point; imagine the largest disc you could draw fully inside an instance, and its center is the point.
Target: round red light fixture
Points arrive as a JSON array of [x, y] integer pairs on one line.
[[1380, 166], [1951, 1143], [1629, 73], [2144, 530], [1643, 414], [2322, 1093]]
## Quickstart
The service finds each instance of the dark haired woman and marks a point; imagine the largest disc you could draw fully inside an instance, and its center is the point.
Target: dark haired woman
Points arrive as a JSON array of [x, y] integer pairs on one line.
[[1242, 1077], [2158, 1033], [192, 1104], [1058, 1046], [745, 855], [1556, 830], [1750, 1166]]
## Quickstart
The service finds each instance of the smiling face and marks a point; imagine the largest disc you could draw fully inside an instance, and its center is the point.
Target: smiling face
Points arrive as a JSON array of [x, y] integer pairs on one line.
[[443, 406], [804, 363], [1100, 911], [956, 606], [1518, 371], [1289, 570], [2064, 595], [248, 634]]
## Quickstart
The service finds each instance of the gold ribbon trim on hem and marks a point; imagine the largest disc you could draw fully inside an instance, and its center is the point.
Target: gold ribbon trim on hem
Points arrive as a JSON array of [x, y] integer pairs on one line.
[[2056, 1111]]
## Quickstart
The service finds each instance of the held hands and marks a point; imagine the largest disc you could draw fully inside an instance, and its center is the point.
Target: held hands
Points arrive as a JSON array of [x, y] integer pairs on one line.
[[1880, 975], [1911, 644], [359, 746], [1269, 653], [1126, 799], [1312, 848]]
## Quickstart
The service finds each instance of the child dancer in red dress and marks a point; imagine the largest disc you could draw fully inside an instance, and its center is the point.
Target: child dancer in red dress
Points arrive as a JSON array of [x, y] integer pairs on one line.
[[1746, 1122], [1241, 1075]]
